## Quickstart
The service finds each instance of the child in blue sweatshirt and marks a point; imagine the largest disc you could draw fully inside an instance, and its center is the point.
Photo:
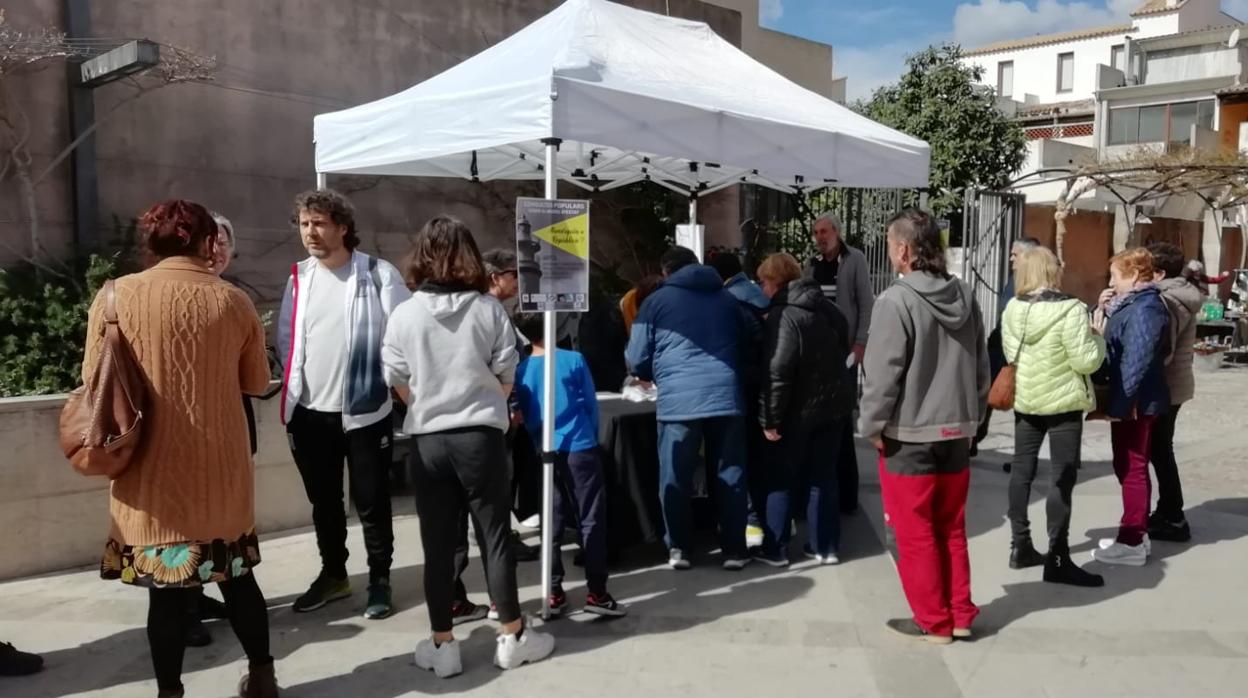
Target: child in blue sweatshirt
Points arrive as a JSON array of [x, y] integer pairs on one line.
[[580, 494]]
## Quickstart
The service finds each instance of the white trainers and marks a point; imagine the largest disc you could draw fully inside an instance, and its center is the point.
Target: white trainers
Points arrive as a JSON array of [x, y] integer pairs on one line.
[[531, 647], [1106, 542], [1119, 554], [676, 560], [443, 661], [532, 523]]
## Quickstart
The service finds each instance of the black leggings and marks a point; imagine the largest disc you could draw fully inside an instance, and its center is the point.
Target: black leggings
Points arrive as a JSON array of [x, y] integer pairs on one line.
[[169, 611]]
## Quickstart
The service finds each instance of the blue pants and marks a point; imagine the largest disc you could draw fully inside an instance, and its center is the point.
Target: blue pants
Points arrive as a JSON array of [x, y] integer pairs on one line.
[[581, 502], [724, 438], [809, 456]]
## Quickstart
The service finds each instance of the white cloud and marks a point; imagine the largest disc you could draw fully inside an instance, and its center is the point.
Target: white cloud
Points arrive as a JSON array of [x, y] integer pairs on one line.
[[986, 21], [869, 68], [770, 11]]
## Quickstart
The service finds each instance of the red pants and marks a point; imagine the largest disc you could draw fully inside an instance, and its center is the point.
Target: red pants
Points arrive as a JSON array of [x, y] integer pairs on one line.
[[1132, 443], [928, 516]]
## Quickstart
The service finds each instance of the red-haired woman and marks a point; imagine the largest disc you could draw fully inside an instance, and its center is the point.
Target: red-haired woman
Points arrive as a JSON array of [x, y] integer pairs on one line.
[[1136, 324], [183, 511]]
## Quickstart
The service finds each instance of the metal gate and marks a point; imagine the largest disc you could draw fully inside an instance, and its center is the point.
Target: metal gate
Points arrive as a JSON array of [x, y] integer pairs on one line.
[[863, 214], [992, 221]]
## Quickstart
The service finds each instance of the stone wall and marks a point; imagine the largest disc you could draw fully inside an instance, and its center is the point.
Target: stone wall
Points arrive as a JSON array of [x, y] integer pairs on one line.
[[53, 518], [243, 144]]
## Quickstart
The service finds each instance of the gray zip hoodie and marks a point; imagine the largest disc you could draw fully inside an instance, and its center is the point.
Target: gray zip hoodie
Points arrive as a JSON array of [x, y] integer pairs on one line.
[[926, 368], [454, 350]]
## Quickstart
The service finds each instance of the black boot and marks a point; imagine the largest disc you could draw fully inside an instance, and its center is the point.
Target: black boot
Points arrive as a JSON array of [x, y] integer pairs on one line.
[[260, 682], [1023, 555], [1060, 569], [1169, 528]]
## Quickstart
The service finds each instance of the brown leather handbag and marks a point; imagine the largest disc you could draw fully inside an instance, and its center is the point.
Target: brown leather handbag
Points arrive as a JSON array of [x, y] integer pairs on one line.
[[102, 421], [1001, 394]]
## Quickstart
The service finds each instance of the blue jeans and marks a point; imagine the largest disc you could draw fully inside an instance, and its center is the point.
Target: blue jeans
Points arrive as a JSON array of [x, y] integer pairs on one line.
[[724, 438], [809, 456]]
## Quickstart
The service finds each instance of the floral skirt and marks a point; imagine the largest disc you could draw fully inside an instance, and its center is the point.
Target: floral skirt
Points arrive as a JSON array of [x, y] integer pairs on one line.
[[188, 564]]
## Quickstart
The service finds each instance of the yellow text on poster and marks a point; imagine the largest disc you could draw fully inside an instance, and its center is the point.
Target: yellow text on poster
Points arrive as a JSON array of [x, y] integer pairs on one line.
[[570, 235]]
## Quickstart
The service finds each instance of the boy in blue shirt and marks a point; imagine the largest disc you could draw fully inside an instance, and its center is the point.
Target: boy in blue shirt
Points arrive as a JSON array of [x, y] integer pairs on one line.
[[580, 493]]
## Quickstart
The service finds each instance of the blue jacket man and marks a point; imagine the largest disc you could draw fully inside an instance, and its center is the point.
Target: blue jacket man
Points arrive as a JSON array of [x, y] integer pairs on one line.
[[687, 340]]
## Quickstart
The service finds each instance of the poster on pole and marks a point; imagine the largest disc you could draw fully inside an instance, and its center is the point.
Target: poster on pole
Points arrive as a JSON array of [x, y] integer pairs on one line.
[[691, 237], [552, 254]]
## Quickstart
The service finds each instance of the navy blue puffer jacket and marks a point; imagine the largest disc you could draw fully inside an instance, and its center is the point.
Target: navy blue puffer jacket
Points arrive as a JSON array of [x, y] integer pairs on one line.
[[1137, 339], [687, 339]]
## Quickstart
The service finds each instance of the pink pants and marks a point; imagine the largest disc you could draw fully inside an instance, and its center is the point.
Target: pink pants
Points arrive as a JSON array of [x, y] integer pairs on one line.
[[1132, 443]]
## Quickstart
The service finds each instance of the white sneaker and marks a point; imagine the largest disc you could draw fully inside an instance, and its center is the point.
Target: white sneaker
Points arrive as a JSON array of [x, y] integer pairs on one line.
[[1119, 554], [531, 647], [534, 522], [830, 559], [444, 661], [676, 560], [1148, 544]]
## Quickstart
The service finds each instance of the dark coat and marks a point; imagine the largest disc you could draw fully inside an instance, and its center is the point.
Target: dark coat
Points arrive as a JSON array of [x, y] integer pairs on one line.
[[806, 342], [1137, 339], [687, 339]]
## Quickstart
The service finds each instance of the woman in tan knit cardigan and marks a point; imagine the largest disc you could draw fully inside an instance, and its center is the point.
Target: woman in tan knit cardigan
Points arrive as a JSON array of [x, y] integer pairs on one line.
[[183, 511]]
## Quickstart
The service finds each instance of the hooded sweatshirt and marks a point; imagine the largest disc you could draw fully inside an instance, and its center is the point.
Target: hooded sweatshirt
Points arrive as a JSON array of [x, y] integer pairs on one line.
[[926, 367], [687, 339], [454, 350], [1183, 301], [1059, 353]]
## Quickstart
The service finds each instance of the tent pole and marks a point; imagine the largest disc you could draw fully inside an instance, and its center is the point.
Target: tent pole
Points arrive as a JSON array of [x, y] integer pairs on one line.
[[698, 244], [321, 180], [548, 411]]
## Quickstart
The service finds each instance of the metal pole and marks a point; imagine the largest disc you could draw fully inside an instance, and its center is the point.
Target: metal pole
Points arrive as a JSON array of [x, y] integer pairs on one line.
[[548, 413], [698, 244], [322, 180]]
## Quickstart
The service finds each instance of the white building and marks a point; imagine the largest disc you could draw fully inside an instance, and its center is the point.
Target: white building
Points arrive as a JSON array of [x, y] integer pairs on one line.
[[1058, 85]]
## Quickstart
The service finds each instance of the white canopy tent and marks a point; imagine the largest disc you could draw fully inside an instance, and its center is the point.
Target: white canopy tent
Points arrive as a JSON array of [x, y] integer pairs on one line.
[[625, 96], [632, 95]]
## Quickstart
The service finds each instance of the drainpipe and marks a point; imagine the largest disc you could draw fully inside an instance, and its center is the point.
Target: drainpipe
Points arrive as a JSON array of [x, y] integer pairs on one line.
[[84, 174]]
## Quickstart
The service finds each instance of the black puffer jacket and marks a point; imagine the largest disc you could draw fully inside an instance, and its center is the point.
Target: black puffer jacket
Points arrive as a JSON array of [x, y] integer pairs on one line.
[[805, 343]]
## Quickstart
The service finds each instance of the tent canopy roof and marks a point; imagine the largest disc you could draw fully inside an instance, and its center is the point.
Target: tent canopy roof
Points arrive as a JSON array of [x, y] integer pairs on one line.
[[632, 95]]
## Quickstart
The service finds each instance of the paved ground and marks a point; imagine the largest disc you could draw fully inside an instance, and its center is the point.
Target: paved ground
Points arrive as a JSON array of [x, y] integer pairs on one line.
[[1178, 626]]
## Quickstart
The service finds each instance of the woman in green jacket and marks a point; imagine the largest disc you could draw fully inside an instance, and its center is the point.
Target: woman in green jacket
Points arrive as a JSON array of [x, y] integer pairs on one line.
[[1049, 338]]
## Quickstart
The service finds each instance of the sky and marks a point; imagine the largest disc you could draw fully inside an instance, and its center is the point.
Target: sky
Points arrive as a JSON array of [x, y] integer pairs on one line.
[[871, 38]]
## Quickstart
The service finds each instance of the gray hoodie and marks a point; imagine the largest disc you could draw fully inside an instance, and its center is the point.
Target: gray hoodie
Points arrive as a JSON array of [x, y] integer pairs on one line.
[[454, 350], [926, 368], [1183, 301]]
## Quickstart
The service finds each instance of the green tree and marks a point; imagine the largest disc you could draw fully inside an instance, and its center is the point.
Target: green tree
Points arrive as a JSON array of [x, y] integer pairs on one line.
[[940, 100]]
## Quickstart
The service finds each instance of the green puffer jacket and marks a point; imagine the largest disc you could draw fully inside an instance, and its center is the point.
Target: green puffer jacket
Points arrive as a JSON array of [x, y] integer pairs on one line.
[[1060, 353]]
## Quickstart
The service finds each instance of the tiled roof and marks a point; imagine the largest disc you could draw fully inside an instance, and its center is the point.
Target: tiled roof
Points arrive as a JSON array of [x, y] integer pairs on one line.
[[1045, 39], [1156, 7], [1232, 90]]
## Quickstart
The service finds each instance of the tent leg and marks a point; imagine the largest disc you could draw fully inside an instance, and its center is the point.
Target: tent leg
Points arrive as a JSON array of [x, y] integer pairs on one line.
[[548, 414], [321, 180], [699, 245]]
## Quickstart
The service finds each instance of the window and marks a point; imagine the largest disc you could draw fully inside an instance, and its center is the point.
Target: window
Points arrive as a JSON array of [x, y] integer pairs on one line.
[[1118, 57], [1005, 79], [1065, 72], [1159, 123]]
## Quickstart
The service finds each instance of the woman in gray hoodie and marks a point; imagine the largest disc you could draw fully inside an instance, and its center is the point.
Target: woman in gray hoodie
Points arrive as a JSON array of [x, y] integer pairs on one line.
[[450, 352]]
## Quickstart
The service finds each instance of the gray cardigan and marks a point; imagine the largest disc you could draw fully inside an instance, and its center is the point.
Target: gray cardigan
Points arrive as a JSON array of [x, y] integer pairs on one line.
[[853, 291]]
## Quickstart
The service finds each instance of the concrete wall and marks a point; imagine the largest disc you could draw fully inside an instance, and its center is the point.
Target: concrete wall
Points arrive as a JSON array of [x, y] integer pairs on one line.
[[808, 63], [1035, 68], [243, 144], [53, 518]]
